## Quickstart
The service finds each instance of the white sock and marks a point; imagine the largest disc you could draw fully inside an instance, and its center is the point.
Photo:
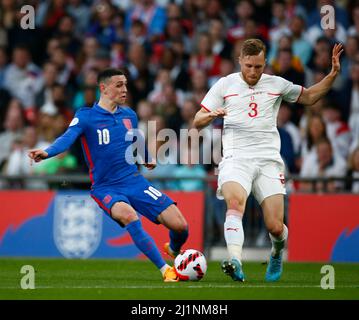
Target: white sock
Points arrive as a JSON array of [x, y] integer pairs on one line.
[[278, 243], [234, 235], [164, 268]]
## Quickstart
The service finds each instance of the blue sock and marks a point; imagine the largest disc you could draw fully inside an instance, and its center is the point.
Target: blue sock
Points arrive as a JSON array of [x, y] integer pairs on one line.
[[177, 239], [145, 243]]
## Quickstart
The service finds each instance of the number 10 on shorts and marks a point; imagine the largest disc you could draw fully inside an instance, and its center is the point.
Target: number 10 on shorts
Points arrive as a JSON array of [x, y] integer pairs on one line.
[[153, 192]]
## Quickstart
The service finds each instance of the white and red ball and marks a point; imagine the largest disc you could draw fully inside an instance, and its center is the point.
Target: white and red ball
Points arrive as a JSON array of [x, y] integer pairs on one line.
[[190, 265]]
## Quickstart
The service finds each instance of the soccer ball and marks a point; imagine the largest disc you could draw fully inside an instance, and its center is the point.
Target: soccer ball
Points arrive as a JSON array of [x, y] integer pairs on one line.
[[190, 265]]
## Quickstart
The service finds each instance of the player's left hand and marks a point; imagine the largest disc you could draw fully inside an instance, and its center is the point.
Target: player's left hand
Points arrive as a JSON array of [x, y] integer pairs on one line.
[[337, 51], [150, 165]]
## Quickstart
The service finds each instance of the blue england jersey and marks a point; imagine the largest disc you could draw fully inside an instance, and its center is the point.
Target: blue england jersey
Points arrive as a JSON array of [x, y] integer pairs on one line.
[[106, 140]]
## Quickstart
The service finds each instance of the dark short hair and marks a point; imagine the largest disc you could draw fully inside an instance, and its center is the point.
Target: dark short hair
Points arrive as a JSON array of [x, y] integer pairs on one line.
[[106, 74], [333, 105], [324, 140], [252, 47]]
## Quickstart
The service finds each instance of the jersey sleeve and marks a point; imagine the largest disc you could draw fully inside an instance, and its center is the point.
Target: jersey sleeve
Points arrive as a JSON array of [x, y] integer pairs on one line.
[[64, 142], [290, 91], [214, 97]]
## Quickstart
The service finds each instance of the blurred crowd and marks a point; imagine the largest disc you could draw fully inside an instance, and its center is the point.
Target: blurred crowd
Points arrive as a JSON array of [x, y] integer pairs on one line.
[[172, 52]]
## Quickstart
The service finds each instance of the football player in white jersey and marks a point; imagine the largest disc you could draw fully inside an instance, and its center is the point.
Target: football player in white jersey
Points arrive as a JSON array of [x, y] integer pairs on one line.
[[249, 102]]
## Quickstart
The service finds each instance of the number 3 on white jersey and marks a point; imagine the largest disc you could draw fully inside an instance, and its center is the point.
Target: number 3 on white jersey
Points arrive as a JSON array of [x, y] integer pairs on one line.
[[152, 192], [254, 112], [103, 136]]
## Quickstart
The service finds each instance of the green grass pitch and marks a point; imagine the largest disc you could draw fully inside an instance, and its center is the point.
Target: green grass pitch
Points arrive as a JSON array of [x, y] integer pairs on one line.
[[136, 279]]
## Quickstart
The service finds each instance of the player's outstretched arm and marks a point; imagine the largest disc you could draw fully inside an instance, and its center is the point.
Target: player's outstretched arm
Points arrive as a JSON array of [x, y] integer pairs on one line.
[[37, 155], [314, 93], [203, 118]]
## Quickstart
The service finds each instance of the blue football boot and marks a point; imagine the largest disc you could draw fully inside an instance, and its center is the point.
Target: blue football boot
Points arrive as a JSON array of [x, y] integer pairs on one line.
[[274, 269], [233, 268]]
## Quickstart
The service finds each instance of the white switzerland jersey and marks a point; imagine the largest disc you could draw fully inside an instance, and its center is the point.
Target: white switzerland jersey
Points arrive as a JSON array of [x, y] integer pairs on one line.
[[250, 126]]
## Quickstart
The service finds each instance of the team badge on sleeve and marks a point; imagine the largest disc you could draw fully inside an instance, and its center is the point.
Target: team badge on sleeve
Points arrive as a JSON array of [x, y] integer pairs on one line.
[[74, 122], [127, 123], [282, 178]]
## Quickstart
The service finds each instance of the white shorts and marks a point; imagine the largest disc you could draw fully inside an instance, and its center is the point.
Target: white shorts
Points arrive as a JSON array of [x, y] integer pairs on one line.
[[263, 177]]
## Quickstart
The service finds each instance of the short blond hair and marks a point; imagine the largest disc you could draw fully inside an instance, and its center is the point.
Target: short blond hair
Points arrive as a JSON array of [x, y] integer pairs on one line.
[[252, 47]]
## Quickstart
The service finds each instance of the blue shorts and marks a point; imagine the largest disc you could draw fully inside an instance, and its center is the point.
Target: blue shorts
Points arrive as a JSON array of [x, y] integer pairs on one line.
[[138, 193]]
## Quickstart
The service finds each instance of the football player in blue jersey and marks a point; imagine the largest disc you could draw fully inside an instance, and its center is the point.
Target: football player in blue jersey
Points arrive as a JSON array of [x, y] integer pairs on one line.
[[118, 188]]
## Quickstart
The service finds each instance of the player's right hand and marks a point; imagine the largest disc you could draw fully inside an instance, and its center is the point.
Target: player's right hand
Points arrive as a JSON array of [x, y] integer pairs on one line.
[[218, 113], [37, 155]]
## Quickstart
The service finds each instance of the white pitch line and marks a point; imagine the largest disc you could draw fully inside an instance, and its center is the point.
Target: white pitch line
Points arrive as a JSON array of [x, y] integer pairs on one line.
[[190, 287]]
